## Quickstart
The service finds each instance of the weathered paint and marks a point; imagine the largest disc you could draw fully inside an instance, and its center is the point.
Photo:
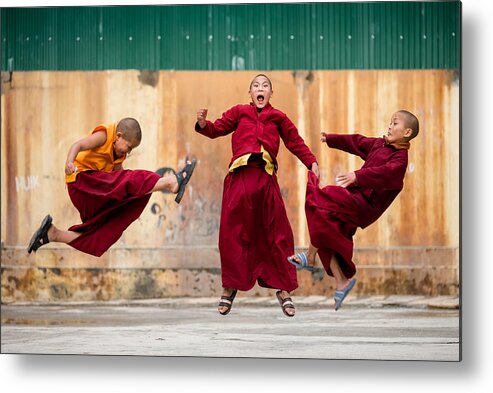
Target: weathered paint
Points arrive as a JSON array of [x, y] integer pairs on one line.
[[45, 112], [399, 271]]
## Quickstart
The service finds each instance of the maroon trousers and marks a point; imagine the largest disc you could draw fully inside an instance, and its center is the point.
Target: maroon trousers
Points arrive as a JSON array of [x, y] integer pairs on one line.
[[108, 202], [332, 217], [255, 237]]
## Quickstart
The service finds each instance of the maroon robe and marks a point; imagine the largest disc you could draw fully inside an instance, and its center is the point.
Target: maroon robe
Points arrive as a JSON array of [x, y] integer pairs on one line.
[[108, 202], [255, 237], [334, 213]]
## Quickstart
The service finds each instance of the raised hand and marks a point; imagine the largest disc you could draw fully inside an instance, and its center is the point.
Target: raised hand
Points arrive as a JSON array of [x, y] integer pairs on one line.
[[201, 117]]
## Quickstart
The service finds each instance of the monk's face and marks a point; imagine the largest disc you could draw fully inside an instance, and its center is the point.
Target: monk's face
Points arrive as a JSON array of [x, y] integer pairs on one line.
[[260, 91], [123, 146], [397, 130]]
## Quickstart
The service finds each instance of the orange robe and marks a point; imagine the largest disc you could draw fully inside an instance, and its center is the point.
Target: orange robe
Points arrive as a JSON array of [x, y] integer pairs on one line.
[[108, 201]]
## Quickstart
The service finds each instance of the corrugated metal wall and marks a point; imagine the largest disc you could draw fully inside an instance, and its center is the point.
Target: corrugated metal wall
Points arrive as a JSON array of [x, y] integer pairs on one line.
[[372, 35]]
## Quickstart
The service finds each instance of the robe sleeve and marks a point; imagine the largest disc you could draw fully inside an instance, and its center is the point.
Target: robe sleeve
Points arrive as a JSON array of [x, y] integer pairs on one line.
[[225, 125], [295, 143], [389, 176], [353, 143]]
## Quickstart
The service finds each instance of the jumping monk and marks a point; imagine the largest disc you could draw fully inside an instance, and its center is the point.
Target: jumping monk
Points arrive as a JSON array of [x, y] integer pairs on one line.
[[358, 199], [255, 237], [107, 197]]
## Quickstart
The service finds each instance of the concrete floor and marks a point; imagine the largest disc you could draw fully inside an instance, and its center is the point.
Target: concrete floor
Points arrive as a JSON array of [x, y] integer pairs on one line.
[[392, 328]]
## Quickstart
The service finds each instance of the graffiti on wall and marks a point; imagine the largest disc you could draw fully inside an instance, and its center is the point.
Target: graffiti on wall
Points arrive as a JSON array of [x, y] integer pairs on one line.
[[26, 183], [199, 216]]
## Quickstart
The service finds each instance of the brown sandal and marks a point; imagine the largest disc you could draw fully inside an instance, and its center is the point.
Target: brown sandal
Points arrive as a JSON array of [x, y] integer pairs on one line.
[[227, 301], [285, 303]]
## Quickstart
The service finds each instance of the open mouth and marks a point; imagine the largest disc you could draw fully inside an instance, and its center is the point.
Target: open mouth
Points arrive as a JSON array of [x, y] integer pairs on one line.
[[260, 98]]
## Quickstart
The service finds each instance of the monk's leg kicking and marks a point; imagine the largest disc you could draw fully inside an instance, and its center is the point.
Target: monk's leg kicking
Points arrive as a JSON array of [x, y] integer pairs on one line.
[[341, 280], [169, 183], [61, 236]]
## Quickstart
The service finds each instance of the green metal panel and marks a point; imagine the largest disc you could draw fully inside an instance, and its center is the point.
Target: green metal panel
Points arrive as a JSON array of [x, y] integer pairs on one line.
[[366, 35]]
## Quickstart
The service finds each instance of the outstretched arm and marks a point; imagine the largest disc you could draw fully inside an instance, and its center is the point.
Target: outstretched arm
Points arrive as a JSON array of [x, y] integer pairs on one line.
[[351, 143], [92, 141], [296, 145]]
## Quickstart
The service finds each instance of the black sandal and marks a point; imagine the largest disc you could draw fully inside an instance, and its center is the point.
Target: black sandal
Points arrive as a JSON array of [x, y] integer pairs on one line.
[[183, 181], [40, 237], [285, 303], [227, 301]]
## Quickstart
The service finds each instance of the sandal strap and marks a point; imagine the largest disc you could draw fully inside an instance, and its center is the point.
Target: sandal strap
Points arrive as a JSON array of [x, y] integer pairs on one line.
[[303, 259], [45, 238], [179, 177], [287, 303], [230, 297]]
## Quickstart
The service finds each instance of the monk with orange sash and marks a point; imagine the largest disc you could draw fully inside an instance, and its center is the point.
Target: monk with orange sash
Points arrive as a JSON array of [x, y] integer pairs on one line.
[[107, 197]]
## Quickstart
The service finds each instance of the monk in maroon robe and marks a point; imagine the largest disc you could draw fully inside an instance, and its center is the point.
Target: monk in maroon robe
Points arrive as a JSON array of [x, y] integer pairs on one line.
[[108, 197], [358, 199], [255, 237]]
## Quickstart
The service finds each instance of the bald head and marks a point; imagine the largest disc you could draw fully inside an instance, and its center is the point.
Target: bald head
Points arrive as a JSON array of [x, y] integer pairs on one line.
[[130, 130], [411, 122]]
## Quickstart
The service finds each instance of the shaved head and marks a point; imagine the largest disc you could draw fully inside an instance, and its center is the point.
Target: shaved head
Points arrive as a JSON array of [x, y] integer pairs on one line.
[[411, 122], [130, 129]]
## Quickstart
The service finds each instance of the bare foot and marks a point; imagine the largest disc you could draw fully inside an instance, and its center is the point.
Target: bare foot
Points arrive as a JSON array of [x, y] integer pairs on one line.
[[175, 186]]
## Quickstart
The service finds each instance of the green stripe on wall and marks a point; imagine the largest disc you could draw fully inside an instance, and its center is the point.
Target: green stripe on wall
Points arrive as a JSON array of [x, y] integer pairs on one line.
[[371, 35]]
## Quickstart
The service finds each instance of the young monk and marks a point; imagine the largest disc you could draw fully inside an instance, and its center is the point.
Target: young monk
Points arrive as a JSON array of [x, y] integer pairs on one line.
[[358, 199], [255, 236], [107, 197]]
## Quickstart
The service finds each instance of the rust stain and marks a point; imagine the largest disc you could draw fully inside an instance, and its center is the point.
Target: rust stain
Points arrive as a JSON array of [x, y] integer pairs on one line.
[[330, 104], [11, 158], [112, 284], [150, 78]]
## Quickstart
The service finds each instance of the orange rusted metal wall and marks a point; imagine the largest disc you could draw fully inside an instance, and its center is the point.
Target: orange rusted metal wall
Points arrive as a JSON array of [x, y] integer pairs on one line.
[[172, 249]]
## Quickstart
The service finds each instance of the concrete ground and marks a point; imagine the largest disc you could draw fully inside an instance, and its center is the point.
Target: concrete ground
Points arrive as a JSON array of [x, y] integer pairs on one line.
[[368, 328]]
